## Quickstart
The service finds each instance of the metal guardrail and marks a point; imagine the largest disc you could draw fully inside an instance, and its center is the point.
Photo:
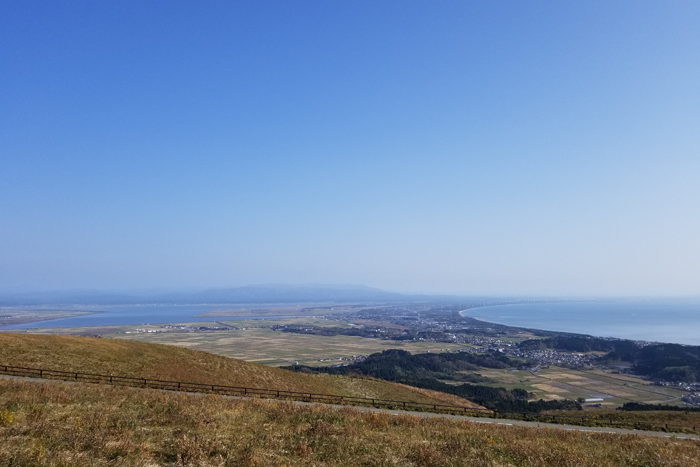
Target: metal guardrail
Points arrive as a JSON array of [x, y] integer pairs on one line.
[[325, 398]]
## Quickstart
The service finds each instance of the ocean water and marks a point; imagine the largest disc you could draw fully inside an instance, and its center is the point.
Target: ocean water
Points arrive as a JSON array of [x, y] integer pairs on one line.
[[675, 321], [134, 315]]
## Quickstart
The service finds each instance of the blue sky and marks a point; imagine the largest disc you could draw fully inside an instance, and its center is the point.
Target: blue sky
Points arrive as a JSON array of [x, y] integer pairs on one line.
[[501, 147]]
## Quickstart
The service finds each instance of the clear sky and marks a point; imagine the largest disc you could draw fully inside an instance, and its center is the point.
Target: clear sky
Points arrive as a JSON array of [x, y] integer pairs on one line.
[[475, 147]]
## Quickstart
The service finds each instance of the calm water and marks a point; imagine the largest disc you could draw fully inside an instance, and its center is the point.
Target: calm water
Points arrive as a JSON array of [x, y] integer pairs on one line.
[[675, 321], [123, 315]]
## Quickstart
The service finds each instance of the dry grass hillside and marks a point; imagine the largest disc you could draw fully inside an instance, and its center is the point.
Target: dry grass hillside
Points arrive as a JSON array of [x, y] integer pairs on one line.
[[165, 362], [58, 424]]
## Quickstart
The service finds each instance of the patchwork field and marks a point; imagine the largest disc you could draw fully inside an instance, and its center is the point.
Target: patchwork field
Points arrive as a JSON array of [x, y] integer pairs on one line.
[[263, 345], [254, 341], [559, 383]]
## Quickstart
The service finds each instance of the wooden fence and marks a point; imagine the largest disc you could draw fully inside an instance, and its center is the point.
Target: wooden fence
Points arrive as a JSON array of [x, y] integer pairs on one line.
[[330, 398]]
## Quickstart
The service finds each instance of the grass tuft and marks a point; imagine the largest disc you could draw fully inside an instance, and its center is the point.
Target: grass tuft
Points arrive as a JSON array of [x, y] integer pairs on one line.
[[58, 424], [165, 362]]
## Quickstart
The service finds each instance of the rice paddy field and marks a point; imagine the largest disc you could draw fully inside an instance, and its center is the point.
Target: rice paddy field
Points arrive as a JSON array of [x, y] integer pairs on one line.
[[564, 383], [262, 345], [254, 341]]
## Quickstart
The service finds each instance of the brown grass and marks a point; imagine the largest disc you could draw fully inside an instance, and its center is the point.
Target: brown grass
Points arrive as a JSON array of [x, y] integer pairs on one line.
[[165, 362], [58, 424], [657, 418]]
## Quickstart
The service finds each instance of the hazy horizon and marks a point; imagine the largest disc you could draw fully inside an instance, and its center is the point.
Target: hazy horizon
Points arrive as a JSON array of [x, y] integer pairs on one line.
[[465, 148], [165, 291]]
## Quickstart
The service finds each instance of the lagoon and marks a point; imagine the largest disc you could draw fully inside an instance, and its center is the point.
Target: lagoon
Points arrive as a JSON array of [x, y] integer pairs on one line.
[[136, 315]]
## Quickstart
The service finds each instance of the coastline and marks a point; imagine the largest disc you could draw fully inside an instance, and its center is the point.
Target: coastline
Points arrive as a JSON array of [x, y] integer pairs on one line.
[[670, 321]]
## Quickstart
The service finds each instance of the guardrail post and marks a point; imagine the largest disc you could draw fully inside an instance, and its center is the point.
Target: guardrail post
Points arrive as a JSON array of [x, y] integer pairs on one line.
[[327, 398]]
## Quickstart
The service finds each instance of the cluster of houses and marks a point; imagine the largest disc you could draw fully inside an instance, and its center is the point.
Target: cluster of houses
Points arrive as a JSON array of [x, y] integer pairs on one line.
[[692, 399]]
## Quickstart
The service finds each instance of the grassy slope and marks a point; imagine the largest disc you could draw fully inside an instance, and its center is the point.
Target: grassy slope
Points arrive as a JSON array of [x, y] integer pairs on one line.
[[652, 417], [56, 424], [154, 361]]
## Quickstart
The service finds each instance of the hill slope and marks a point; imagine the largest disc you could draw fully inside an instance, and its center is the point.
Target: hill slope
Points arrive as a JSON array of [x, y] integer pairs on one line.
[[54, 424], [156, 361]]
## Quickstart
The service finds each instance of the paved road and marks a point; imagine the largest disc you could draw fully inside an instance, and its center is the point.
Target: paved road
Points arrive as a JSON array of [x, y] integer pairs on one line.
[[507, 422], [493, 421]]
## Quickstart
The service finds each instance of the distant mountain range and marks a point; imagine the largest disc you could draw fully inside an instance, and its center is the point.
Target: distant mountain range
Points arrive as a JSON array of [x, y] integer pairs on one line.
[[268, 293]]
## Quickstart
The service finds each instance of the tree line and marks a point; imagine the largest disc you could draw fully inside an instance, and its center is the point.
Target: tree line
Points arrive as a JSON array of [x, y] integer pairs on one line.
[[426, 371], [669, 362]]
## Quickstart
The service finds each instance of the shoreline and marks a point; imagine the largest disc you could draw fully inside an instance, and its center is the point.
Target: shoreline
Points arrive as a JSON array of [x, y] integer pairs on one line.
[[657, 321]]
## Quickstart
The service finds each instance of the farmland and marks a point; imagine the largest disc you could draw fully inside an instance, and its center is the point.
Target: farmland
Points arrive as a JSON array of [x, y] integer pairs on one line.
[[305, 340], [262, 345], [568, 383]]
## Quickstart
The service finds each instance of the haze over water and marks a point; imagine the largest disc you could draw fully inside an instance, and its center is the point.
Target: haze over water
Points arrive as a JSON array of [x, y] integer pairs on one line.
[[675, 321]]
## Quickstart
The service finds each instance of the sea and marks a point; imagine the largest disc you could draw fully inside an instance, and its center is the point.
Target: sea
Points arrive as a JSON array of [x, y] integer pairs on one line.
[[675, 321], [671, 321], [137, 315]]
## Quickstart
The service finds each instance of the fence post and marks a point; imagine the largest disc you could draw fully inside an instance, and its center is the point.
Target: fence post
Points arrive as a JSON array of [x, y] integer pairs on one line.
[[76, 376]]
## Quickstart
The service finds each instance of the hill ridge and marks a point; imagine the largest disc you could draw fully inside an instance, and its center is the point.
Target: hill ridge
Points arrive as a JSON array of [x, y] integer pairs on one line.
[[165, 362]]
